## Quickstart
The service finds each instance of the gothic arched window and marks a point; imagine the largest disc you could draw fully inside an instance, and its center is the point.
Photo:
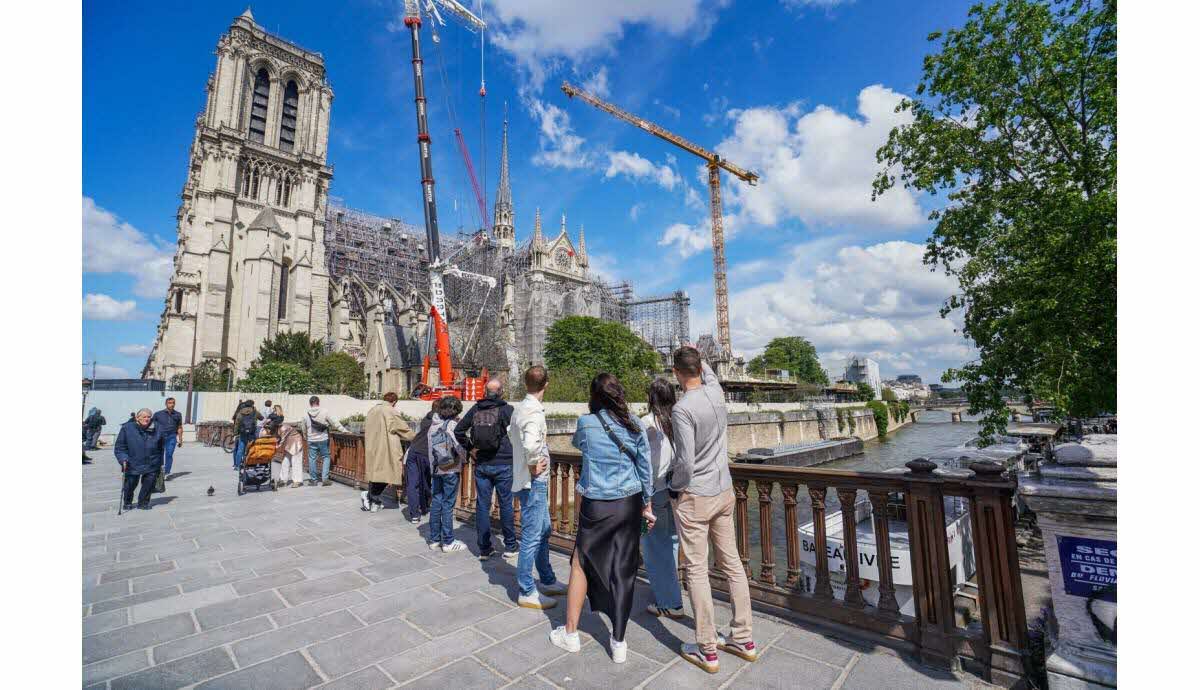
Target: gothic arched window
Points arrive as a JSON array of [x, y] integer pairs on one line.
[[178, 301], [254, 184], [258, 106], [287, 124], [287, 193]]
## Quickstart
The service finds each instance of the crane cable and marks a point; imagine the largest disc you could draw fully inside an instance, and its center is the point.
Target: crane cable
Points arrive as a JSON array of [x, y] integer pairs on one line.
[[483, 122], [445, 79]]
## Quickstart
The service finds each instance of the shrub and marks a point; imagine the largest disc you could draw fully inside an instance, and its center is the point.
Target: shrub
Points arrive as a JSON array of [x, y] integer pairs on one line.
[[880, 410]]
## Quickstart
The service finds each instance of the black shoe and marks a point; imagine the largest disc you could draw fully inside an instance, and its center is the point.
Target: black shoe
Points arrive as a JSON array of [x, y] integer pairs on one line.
[[144, 507], [127, 506], [327, 482]]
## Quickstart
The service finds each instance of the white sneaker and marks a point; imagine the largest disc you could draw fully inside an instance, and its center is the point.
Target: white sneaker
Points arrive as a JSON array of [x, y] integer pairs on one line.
[[511, 557], [557, 589], [366, 502], [536, 601], [455, 545], [435, 545], [376, 507], [620, 650], [560, 638]]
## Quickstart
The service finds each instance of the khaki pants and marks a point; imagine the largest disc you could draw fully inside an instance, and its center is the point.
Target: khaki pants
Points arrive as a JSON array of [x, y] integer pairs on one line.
[[291, 469], [699, 520]]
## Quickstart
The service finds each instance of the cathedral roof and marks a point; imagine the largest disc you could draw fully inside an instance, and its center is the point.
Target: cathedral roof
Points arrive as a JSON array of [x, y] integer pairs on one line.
[[403, 346], [248, 14], [265, 221]]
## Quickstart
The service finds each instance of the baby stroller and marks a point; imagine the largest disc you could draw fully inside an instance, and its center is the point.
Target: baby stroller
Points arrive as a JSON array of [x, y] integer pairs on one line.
[[256, 468]]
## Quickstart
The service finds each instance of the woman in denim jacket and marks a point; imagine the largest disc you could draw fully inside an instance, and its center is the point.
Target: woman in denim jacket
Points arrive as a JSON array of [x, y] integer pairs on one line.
[[615, 485]]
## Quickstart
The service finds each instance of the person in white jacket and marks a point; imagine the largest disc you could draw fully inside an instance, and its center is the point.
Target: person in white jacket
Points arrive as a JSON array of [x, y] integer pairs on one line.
[[660, 545], [531, 482]]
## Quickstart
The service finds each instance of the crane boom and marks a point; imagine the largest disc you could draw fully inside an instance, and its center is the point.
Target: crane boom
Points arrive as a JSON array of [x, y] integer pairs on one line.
[[466, 155], [737, 171], [715, 162]]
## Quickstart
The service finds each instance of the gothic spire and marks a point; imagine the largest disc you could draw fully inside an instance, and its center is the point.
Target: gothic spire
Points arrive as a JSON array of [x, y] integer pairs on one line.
[[582, 244], [562, 230], [537, 228], [502, 212], [504, 193]]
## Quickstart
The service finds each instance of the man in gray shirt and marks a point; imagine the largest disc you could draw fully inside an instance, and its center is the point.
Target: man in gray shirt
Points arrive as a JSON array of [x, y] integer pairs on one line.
[[703, 501]]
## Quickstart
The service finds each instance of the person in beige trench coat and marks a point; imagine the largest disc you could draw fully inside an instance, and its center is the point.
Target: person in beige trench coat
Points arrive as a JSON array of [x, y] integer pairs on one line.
[[383, 432]]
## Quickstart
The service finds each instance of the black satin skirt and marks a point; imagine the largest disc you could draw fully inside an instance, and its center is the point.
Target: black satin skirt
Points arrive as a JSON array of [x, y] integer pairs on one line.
[[607, 549]]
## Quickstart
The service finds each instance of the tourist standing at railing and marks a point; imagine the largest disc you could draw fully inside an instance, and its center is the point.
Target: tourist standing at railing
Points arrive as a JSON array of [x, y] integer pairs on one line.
[[418, 481], [316, 427], [660, 546], [703, 502], [447, 457], [531, 479], [289, 455], [616, 486], [484, 433], [383, 432]]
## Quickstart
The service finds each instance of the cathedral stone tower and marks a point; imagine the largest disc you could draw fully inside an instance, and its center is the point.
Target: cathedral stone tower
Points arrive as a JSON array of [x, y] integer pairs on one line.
[[502, 219], [250, 261]]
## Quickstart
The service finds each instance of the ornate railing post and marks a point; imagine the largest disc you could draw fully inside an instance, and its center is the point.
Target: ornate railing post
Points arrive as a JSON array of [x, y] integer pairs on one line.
[[766, 573], [554, 470], [789, 528], [932, 594], [854, 595], [741, 520], [1002, 609], [883, 554], [823, 588]]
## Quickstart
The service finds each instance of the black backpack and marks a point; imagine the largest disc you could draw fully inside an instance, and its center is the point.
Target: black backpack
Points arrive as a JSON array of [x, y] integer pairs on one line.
[[247, 424], [486, 432]]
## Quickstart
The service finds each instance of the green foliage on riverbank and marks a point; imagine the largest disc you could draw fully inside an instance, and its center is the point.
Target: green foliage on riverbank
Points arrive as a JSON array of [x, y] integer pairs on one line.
[[880, 410]]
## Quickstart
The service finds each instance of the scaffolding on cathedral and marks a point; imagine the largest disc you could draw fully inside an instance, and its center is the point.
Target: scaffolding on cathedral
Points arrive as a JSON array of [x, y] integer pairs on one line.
[[662, 321]]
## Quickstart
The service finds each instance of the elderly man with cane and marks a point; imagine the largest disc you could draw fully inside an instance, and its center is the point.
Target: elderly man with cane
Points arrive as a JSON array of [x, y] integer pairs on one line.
[[139, 449]]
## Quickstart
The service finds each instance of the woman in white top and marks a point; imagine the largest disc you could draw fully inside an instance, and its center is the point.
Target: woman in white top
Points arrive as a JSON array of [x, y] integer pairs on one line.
[[660, 546]]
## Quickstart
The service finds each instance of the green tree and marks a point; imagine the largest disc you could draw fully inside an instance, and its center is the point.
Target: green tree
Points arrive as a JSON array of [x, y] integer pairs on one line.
[[291, 347], [865, 391], [793, 353], [579, 347], [273, 377], [207, 378], [880, 410], [888, 395], [339, 373], [1016, 122]]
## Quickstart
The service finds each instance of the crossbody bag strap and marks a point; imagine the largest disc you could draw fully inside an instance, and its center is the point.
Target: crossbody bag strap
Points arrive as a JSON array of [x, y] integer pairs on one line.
[[611, 434]]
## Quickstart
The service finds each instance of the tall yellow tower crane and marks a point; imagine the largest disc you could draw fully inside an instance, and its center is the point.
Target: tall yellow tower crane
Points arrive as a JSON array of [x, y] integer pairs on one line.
[[714, 162]]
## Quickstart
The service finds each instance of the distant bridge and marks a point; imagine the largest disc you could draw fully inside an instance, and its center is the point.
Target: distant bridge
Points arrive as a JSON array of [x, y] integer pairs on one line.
[[957, 407]]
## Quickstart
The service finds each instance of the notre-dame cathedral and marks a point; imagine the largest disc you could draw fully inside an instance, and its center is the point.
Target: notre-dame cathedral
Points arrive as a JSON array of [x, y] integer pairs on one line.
[[261, 251]]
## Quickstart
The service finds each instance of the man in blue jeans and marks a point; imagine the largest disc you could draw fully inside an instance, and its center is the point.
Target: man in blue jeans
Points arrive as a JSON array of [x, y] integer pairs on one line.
[[317, 424], [169, 425], [531, 464], [483, 431]]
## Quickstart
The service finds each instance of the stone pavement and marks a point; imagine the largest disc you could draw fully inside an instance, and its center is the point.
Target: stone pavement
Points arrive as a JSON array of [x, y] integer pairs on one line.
[[299, 588]]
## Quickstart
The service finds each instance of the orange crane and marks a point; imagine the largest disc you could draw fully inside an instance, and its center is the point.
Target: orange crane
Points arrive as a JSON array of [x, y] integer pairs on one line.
[[715, 163]]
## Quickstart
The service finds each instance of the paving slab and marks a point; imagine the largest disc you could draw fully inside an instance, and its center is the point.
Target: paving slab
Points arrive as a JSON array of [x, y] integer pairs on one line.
[[100, 622], [370, 678], [365, 646], [126, 573], [111, 590], [433, 654], [288, 671], [178, 673], [310, 590], [184, 602], [778, 669], [285, 617], [440, 617], [115, 667], [294, 637], [241, 608], [592, 667], [186, 646], [257, 584], [123, 640], [896, 673]]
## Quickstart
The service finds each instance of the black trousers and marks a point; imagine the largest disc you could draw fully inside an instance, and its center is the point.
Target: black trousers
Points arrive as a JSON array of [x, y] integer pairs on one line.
[[131, 481], [375, 491]]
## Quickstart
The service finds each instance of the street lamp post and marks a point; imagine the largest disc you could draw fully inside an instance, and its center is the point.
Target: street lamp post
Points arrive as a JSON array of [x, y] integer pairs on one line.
[[195, 337]]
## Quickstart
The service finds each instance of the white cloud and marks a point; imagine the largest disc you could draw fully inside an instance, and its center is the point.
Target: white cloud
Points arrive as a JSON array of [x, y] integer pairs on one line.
[[134, 350], [597, 84], [111, 245], [673, 112], [104, 371], [819, 4], [817, 166], [558, 145], [105, 308], [540, 33], [877, 300], [636, 210], [635, 167], [686, 239]]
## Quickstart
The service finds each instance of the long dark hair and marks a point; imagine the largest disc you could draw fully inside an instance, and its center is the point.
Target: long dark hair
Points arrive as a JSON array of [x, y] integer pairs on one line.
[[608, 394], [662, 399]]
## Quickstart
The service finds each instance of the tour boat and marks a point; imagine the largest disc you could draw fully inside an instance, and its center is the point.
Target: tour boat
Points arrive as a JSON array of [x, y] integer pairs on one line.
[[951, 462]]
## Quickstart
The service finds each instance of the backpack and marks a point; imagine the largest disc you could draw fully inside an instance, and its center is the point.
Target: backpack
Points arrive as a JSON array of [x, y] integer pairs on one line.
[[443, 448], [486, 433], [247, 424]]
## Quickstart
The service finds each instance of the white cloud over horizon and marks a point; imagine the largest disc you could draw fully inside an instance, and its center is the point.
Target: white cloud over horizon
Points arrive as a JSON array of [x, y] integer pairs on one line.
[[635, 167], [111, 245], [107, 371], [100, 307], [134, 350]]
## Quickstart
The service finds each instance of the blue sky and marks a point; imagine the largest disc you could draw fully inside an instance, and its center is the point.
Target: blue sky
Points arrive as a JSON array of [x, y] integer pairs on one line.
[[801, 91]]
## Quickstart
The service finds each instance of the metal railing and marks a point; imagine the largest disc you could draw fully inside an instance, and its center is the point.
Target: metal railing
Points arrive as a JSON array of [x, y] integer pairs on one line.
[[996, 645]]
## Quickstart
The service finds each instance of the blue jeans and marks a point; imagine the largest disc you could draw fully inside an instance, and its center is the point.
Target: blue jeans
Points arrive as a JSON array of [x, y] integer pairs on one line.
[[498, 477], [316, 448], [441, 508], [239, 452], [169, 444], [535, 535], [660, 552]]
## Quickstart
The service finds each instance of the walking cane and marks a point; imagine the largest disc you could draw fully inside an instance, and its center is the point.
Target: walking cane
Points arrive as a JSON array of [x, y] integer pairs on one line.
[[121, 497]]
